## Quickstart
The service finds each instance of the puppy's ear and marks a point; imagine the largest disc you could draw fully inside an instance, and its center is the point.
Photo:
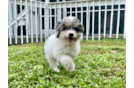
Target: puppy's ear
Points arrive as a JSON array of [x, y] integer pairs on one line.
[[58, 28], [81, 27], [58, 23]]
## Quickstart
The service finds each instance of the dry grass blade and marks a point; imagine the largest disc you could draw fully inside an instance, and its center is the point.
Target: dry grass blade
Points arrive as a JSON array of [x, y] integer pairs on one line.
[[51, 79]]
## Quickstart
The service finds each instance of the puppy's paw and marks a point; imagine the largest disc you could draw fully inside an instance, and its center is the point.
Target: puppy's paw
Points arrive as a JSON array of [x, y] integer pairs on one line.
[[72, 67], [56, 69], [57, 64]]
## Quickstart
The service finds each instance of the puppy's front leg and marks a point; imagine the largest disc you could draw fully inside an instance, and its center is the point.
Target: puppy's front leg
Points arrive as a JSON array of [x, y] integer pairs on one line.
[[67, 62]]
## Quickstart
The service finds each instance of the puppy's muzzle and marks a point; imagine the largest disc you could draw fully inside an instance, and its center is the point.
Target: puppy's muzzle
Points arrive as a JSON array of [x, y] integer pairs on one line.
[[71, 35]]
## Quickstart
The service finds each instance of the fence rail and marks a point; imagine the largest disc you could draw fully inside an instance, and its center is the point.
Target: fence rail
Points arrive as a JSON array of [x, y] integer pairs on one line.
[[35, 22]]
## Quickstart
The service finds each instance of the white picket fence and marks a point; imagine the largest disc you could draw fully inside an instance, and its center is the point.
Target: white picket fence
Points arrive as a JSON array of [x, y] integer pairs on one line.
[[52, 12]]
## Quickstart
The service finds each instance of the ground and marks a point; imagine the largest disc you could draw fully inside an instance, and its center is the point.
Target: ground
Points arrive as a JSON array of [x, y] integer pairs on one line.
[[100, 64]]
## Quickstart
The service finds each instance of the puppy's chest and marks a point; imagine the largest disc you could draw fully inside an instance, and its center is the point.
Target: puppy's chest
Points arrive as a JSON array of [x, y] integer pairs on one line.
[[71, 51]]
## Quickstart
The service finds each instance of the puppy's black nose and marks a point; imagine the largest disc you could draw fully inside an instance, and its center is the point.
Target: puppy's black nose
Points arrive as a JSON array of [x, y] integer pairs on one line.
[[71, 35]]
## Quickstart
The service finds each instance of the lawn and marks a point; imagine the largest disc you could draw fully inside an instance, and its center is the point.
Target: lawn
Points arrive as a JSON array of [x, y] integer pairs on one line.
[[100, 64]]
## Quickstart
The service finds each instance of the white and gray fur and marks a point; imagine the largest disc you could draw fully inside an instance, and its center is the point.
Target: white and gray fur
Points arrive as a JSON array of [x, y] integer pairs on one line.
[[58, 49]]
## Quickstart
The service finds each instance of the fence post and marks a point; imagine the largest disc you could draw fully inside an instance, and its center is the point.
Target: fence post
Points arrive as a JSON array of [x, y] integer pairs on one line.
[[87, 23], [93, 23], [125, 23], [55, 16], [36, 22], [26, 7], [82, 18], [111, 23], [64, 10], [40, 22], [16, 26], [99, 23], [76, 9], [10, 18], [31, 21], [46, 19], [118, 21], [21, 22], [70, 9], [105, 19], [51, 20]]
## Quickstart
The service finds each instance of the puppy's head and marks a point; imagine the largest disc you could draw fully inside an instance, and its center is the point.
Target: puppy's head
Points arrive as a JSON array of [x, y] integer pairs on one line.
[[69, 29]]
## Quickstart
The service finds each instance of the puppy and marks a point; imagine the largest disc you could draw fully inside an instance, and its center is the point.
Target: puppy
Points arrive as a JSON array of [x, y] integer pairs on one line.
[[63, 46]]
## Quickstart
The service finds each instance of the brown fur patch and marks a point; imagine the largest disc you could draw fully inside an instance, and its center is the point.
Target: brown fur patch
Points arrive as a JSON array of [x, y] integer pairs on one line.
[[67, 24], [78, 36]]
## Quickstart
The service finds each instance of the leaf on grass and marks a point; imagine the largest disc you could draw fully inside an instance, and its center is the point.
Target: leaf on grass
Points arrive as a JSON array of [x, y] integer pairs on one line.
[[19, 52], [113, 51]]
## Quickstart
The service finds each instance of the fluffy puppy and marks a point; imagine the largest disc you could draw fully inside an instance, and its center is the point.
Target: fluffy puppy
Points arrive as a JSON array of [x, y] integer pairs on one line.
[[63, 46]]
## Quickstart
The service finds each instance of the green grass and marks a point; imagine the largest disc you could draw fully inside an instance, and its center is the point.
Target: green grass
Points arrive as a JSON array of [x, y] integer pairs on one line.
[[96, 66]]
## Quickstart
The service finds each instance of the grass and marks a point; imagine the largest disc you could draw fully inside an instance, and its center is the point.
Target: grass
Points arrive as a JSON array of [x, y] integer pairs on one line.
[[96, 66]]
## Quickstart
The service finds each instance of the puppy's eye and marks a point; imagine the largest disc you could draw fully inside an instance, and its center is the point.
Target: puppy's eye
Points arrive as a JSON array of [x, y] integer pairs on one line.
[[64, 28], [79, 25], [77, 29]]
